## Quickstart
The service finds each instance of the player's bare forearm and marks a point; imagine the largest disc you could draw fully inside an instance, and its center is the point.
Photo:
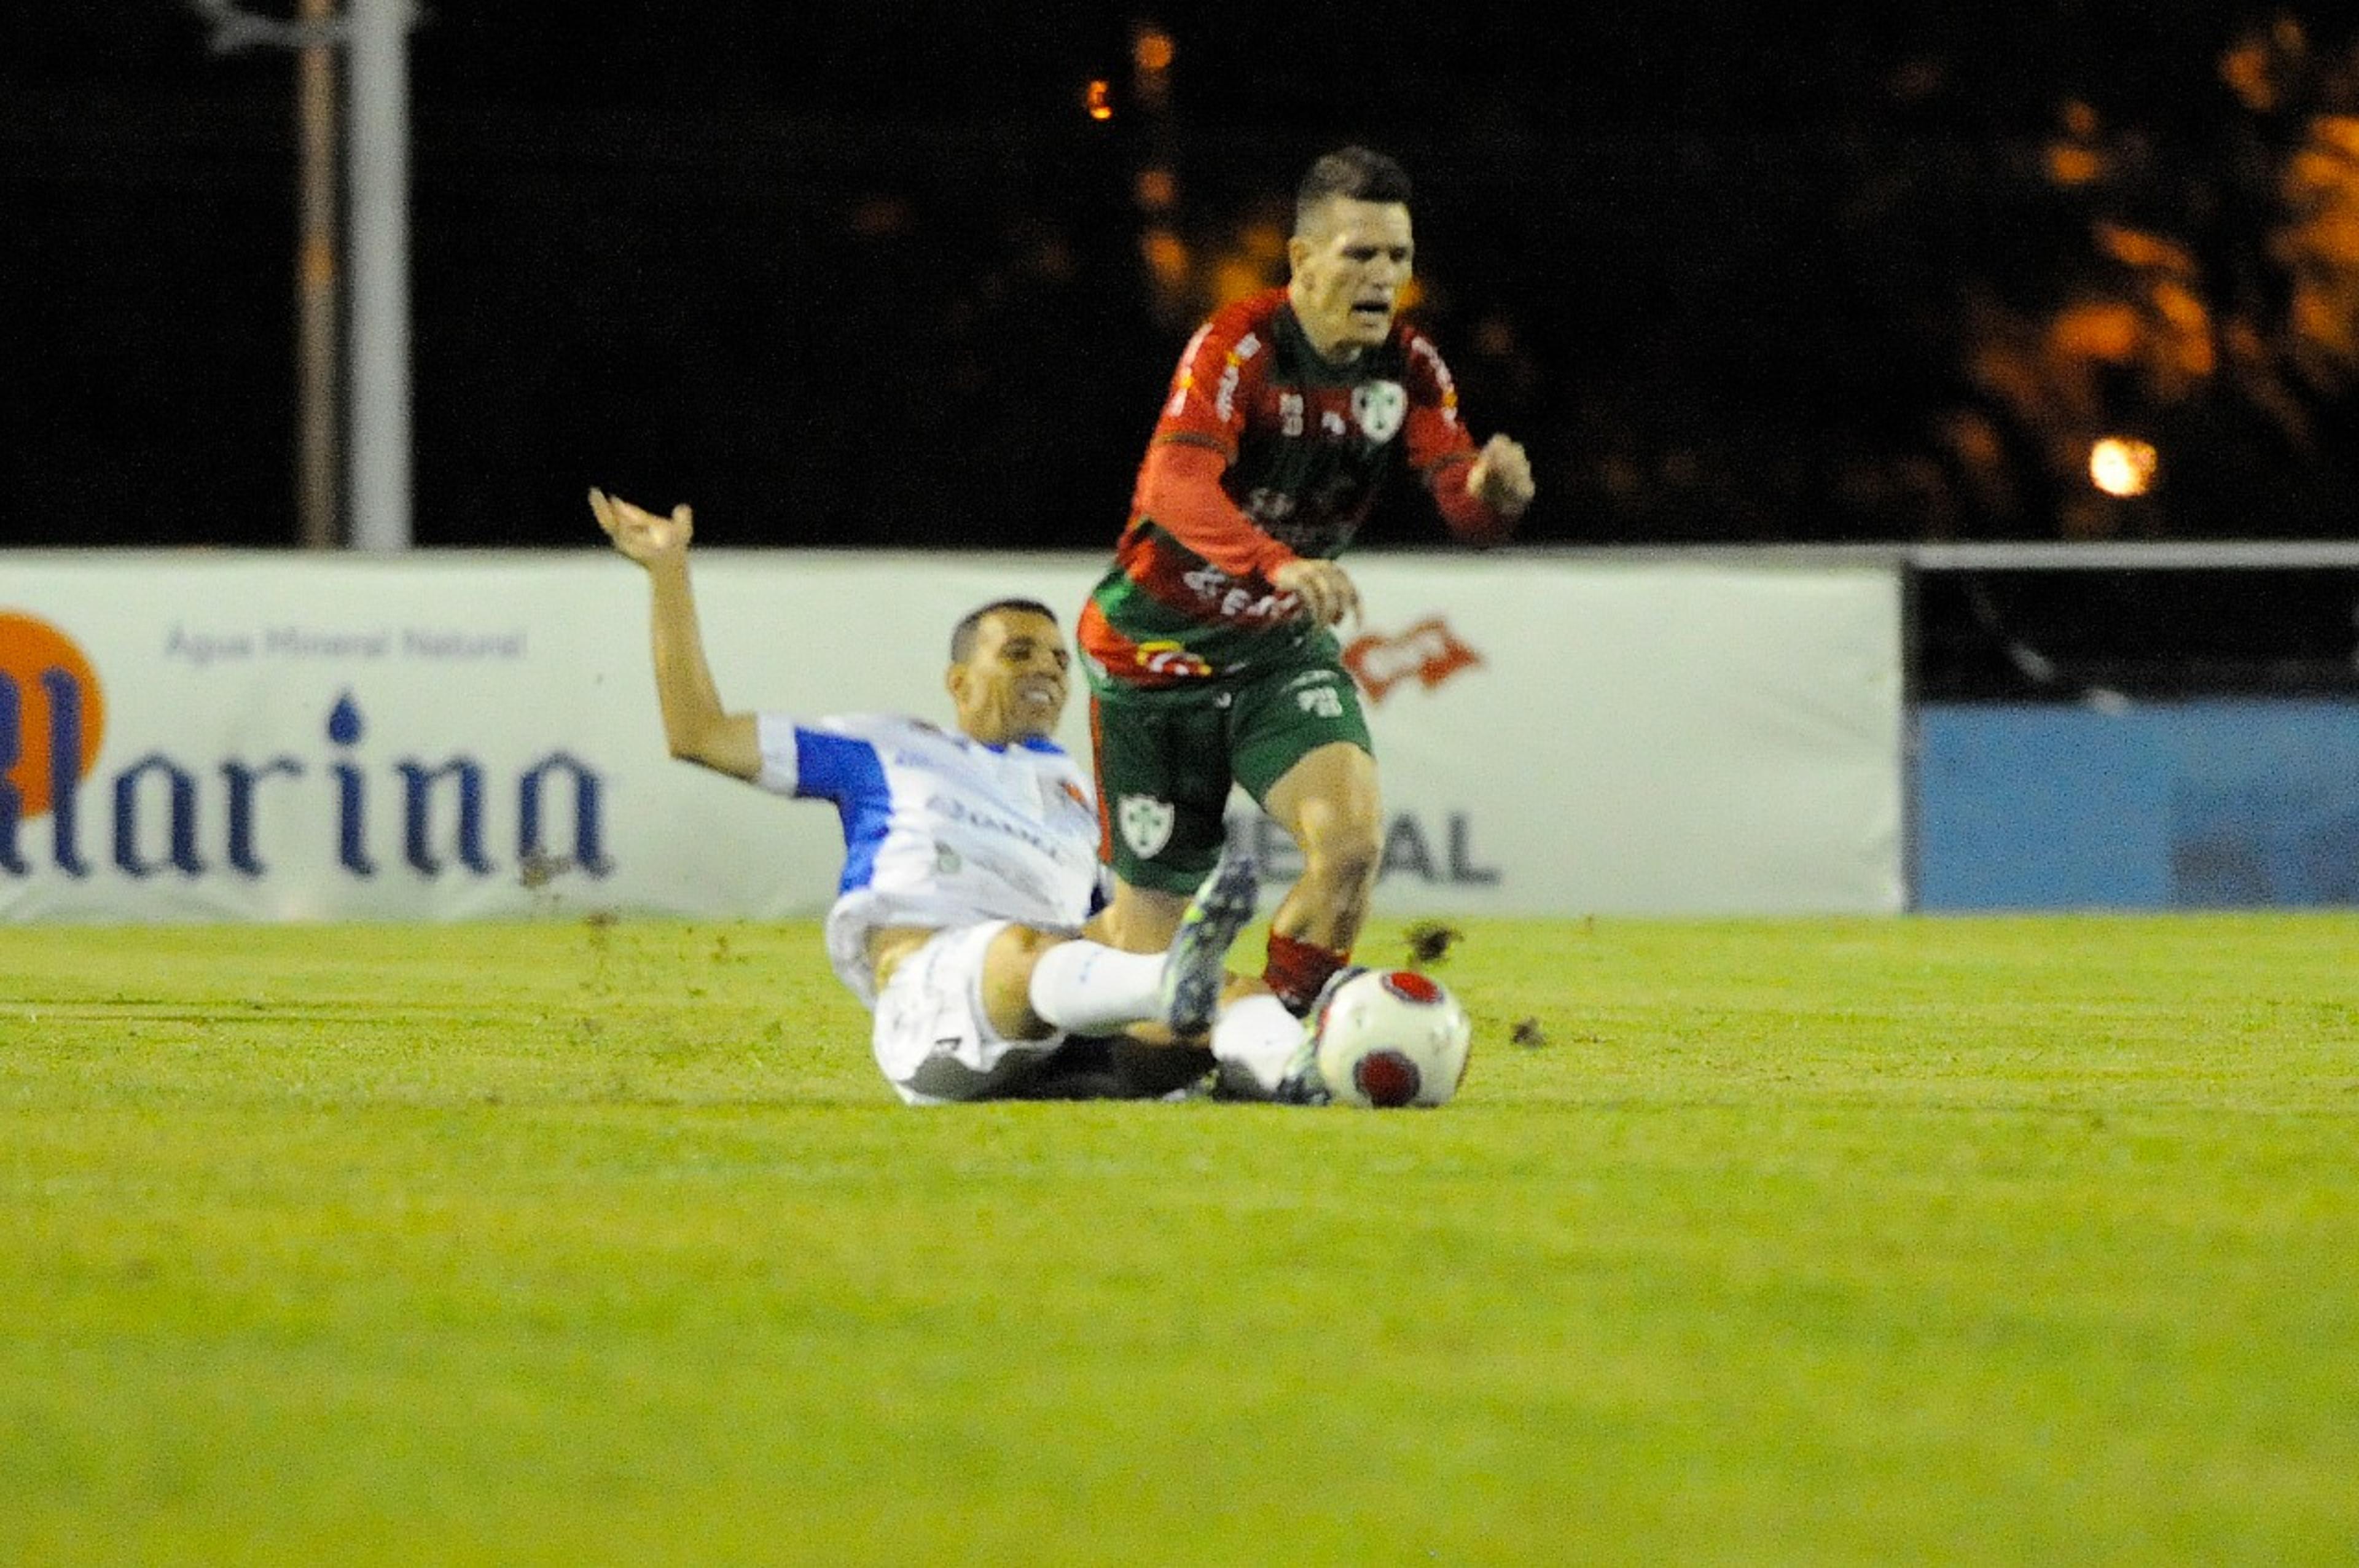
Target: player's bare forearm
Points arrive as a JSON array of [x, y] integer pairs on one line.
[[696, 726]]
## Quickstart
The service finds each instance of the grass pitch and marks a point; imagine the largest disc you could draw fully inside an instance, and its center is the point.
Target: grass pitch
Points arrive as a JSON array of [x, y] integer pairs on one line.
[[1816, 1241]]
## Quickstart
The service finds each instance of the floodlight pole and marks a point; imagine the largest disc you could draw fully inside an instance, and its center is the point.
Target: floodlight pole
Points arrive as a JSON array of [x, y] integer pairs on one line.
[[378, 233], [319, 457]]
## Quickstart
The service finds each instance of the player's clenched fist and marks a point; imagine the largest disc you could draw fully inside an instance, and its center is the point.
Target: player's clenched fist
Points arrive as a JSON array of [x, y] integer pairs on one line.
[[1502, 477], [1327, 591]]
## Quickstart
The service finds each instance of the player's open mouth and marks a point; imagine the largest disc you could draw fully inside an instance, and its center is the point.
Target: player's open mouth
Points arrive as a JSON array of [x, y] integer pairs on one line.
[[1041, 693], [1378, 308]]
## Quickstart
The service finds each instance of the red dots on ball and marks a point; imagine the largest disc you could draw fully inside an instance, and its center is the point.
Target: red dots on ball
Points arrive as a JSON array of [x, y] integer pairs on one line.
[[1410, 986], [1387, 1078]]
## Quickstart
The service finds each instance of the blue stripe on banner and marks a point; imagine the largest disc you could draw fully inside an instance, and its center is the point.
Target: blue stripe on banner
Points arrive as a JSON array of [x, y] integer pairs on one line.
[[2196, 805]]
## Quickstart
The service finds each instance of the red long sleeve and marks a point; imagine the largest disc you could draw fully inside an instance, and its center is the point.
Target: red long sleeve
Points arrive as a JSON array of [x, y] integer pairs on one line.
[[1180, 491], [1467, 516]]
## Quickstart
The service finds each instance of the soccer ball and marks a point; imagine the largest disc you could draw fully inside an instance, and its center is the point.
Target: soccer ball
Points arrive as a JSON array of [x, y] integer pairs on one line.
[[1391, 1037]]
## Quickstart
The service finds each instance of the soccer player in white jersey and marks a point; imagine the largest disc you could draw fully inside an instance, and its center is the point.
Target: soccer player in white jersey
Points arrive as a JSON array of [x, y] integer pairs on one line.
[[970, 858]]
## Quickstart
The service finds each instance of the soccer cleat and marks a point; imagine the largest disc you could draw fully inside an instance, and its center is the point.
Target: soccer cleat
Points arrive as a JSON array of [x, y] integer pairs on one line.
[[1196, 965], [1303, 1083]]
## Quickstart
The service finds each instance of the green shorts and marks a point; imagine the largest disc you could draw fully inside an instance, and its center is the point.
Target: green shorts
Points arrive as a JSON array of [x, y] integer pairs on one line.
[[1166, 758]]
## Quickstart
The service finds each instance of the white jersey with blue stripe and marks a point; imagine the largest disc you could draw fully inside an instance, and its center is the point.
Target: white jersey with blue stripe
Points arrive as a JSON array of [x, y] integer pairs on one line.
[[940, 829]]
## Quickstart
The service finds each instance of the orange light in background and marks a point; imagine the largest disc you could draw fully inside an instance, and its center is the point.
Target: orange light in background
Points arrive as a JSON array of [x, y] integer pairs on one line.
[[1151, 58], [1234, 277], [2119, 465], [1098, 99], [1264, 244], [2106, 330], [2143, 249], [2079, 157], [1157, 189], [1916, 80], [1166, 256], [1495, 336], [879, 217], [2070, 164]]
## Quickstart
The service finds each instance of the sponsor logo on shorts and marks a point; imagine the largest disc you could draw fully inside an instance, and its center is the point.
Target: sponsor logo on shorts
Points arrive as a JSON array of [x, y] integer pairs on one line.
[[1146, 823]]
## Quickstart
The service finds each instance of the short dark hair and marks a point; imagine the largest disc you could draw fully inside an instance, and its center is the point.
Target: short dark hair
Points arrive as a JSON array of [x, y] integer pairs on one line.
[[1353, 173], [970, 626]]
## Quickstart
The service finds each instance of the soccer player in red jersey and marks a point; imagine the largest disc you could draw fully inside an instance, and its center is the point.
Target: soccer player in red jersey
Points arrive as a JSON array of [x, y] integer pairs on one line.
[[1209, 644]]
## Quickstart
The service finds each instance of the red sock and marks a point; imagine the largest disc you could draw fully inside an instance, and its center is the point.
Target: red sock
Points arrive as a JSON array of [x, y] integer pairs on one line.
[[1297, 969]]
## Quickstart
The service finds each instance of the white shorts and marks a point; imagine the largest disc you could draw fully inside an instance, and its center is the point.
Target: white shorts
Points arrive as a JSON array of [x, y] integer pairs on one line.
[[932, 1041]]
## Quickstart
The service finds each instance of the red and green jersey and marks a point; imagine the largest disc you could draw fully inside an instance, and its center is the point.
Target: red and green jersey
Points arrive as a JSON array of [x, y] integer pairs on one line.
[[1265, 453]]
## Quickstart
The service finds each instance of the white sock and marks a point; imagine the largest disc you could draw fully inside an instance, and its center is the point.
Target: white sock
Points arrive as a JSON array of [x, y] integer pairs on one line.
[[1085, 988], [1255, 1037]]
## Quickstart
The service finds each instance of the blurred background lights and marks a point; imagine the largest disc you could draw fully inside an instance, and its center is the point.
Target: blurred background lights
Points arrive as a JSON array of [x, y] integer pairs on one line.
[[1098, 99], [1166, 256], [1151, 50], [2119, 465], [1157, 188]]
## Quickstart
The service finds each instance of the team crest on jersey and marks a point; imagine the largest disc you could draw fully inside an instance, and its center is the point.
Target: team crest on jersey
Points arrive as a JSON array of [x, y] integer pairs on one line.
[[1380, 407], [1146, 823]]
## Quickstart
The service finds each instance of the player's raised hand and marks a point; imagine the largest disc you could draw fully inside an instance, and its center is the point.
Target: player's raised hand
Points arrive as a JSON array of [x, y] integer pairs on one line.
[[640, 534], [1327, 591], [1501, 478]]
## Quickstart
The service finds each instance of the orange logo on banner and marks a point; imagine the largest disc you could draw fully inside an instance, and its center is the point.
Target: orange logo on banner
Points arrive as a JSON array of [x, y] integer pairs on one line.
[[31, 649], [1428, 653]]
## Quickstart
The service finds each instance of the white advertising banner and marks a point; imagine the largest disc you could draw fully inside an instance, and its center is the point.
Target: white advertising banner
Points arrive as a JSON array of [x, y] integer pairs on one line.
[[242, 735], [1645, 735]]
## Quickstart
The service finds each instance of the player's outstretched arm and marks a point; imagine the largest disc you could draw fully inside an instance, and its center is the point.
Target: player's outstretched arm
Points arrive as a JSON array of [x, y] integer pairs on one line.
[[696, 726]]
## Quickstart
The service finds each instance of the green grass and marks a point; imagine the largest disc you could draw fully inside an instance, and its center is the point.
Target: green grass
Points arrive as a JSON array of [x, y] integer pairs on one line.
[[1815, 1241]]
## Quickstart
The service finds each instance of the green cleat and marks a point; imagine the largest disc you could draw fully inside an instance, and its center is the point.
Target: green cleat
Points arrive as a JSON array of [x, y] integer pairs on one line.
[[1195, 966]]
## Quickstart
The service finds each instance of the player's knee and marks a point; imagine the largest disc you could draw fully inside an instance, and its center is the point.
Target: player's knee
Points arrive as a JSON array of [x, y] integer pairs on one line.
[[1014, 951], [1140, 920]]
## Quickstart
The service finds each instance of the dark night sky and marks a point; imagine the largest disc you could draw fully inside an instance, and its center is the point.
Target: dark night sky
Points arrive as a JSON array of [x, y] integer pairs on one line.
[[864, 274]]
